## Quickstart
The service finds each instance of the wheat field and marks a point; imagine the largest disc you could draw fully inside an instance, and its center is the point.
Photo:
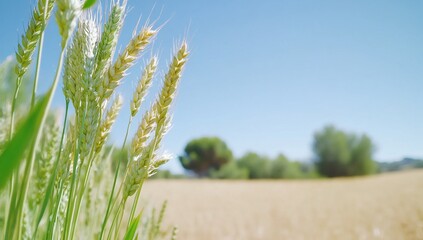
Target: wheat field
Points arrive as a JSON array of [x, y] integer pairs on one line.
[[387, 206]]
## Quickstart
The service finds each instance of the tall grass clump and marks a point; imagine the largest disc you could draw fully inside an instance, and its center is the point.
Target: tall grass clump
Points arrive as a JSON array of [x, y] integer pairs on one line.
[[57, 178]]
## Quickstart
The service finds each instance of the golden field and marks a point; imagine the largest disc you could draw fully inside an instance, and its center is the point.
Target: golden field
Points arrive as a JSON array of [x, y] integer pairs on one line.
[[387, 206]]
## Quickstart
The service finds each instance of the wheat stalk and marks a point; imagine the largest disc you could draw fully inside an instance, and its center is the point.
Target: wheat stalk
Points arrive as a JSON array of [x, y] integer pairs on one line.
[[65, 189], [138, 169], [26, 48]]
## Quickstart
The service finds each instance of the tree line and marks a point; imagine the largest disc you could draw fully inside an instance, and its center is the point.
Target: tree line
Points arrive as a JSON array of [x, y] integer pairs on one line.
[[336, 153]]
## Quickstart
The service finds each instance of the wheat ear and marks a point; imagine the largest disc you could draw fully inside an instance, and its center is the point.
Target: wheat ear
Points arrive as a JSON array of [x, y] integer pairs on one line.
[[140, 166], [107, 44], [143, 85], [137, 173], [32, 35], [143, 133], [79, 62], [125, 60], [106, 125], [157, 162], [170, 84], [66, 16]]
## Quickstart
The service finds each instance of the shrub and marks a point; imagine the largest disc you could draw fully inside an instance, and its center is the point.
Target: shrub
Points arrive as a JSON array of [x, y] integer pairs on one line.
[[166, 174], [202, 155], [230, 171], [257, 166], [342, 154], [281, 167]]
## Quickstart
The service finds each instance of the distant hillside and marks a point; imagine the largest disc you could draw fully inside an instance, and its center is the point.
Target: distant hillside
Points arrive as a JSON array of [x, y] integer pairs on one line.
[[406, 163]]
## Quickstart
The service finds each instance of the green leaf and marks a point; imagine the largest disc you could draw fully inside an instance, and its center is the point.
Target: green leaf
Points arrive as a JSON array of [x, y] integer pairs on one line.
[[88, 4], [130, 233], [25, 135]]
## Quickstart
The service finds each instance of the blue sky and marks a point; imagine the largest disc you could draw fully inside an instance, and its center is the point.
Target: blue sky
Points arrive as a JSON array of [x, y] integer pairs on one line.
[[265, 75]]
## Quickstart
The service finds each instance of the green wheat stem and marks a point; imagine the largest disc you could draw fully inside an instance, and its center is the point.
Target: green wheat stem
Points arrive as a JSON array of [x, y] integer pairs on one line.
[[115, 219], [37, 69], [119, 222], [106, 216], [53, 176], [52, 223], [85, 178], [81, 190], [135, 203], [70, 207], [14, 100]]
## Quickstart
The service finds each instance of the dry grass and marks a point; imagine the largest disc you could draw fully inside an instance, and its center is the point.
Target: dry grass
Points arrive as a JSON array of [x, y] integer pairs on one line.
[[388, 206]]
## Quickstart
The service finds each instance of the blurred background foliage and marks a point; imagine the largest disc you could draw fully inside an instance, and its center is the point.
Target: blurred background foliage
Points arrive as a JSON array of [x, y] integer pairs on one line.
[[203, 155], [343, 154], [8, 84], [336, 154], [7, 88]]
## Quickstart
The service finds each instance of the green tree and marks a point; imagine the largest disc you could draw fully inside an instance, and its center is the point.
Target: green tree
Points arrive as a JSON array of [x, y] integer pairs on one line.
[[361, 156], [204, 154], [257, 166], [342, 154], [281, 167], [166, 174], [230, 171], [309, 170]]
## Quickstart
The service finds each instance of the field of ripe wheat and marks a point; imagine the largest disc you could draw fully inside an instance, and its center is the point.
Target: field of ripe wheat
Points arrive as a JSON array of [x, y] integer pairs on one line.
[[388, 206]]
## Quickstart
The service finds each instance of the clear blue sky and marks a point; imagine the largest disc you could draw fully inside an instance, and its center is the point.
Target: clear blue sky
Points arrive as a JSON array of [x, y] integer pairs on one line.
[[265, 75]]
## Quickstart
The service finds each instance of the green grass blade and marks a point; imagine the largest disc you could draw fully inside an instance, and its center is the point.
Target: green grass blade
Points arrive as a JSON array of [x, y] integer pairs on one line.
[[130, 233], [25, 135], [89, 3]]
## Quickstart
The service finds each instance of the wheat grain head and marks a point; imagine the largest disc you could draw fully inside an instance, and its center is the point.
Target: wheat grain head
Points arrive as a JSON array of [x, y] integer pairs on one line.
[[125, 60], [66, 16], [32, 36], [107, 123], [143, 85]]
